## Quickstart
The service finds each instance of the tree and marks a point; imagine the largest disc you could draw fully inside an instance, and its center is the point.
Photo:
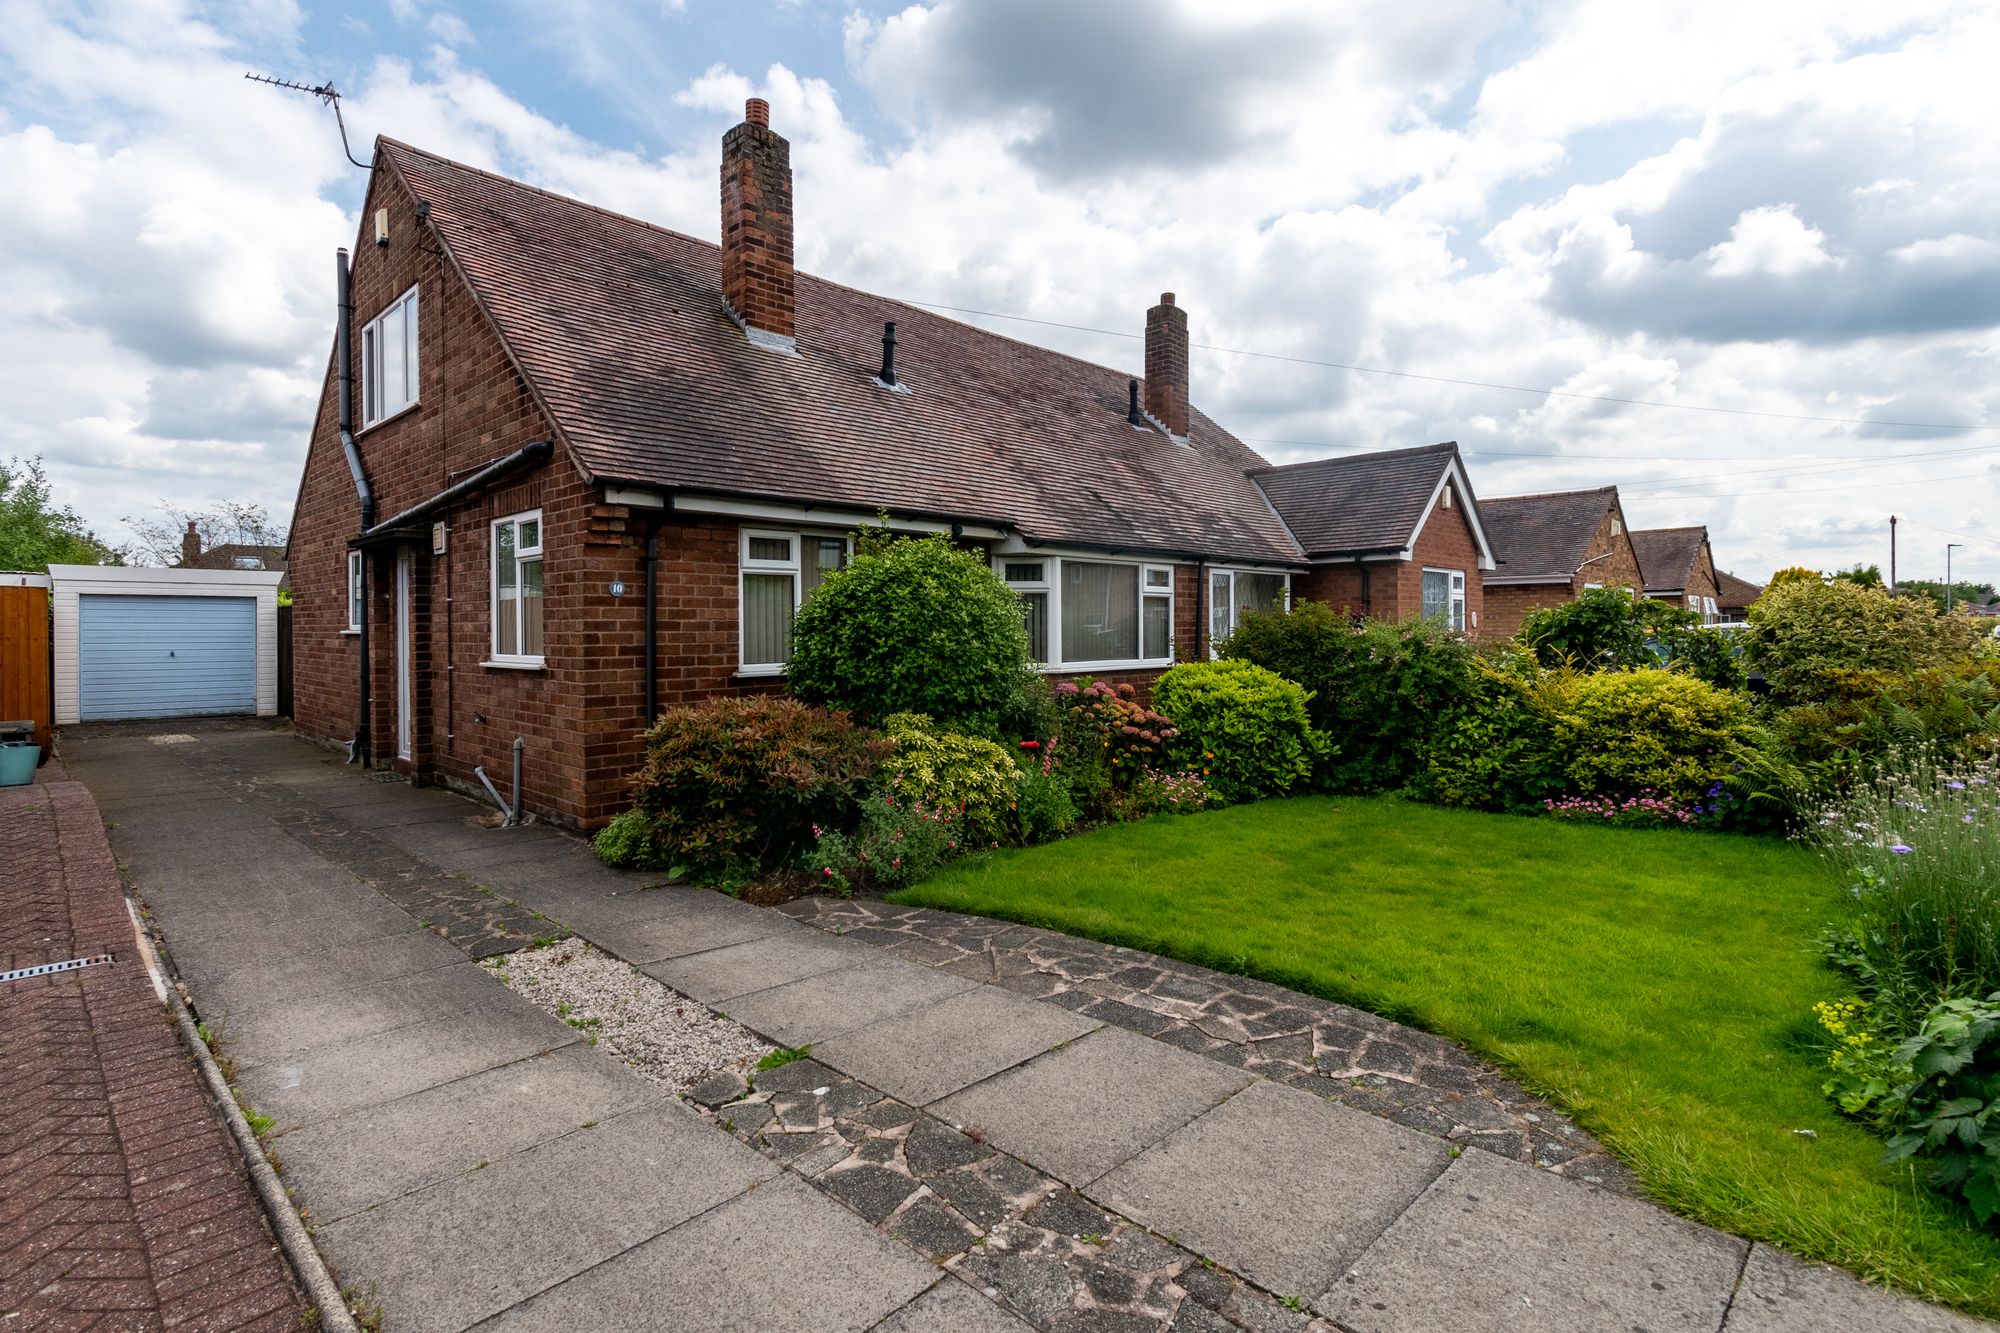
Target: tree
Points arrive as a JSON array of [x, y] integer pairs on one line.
[[227, 523], [36, 533], [1807, 637], [1868, 576], [1963, 593]]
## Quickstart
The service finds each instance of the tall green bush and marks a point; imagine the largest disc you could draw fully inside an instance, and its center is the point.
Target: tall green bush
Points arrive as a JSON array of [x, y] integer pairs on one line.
[[1805, 636], [1379, 690], [1609, 629], [1243, 728], [1497, 752], [914, 625], [732, 787], [1625, 732]]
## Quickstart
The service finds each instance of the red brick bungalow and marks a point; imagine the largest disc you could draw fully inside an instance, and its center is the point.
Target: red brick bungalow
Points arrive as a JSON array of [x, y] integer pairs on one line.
[[1551, 548], [1734, 597], [1679, 567], [1390, 535], [570, 469]]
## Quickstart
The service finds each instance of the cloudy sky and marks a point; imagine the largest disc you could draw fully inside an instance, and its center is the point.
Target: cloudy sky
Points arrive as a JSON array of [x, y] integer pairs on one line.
[[1787, 208]]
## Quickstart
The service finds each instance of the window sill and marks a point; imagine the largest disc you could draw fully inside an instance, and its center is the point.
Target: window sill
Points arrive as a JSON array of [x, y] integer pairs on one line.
[[759, 673], [1086, 668], [514, 664], [351, 632], [380, 422]]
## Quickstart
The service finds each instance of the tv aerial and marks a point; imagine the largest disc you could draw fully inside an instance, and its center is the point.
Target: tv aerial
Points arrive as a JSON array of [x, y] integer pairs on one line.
[[326, 93]]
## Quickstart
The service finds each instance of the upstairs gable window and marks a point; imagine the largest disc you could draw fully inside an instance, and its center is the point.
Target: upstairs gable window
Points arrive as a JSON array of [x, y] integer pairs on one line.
[[1444, 597], [389, 361]]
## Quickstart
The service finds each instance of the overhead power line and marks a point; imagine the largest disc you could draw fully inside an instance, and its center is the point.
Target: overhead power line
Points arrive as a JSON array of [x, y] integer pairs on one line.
[[1467, 383]]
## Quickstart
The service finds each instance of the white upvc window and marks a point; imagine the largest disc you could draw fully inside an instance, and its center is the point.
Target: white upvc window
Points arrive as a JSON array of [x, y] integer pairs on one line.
[[354, 592], [517, 589], [1694, 602], [1708, 614], [1234, 592], [779, 571], [1444, 597], [1085, 614], [389, 361]]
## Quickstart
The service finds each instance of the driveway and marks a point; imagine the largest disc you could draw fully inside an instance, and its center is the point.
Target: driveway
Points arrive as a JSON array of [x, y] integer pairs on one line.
[[975, 1143]]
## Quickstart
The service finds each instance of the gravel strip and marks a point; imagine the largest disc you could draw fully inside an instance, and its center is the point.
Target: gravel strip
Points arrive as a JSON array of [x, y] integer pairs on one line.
[[659, 1032]]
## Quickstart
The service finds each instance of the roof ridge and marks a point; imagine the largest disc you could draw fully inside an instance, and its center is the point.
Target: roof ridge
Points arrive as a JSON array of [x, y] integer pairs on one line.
[[1691, 527], [616, 216], [1551, 495], [1355, 458]]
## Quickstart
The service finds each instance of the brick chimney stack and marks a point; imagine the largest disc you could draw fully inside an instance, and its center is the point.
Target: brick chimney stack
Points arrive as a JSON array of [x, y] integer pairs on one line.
[[190, 547], [757, 278], [1167, 365]]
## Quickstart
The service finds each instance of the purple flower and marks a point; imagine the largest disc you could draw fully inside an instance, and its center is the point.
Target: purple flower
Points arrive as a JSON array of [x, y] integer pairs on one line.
[[1956, 786], [1900, 849]]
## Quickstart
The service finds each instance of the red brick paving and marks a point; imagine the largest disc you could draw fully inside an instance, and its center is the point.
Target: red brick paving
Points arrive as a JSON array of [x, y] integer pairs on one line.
[[123, 1201]]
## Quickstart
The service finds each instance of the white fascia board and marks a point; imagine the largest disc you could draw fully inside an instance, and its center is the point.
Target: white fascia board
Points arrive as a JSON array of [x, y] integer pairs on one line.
[[633, 498], [1455, 471], [814, 516], [1366, 558], [144, 580], [1505, 581]]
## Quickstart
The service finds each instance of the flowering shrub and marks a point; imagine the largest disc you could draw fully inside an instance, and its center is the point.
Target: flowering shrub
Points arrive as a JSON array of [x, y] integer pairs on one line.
[[1043, 805], [1645, 809], [1108, 738], [734, 786], [943, 769], [1163, 791], [1243, 727], [898, 843]]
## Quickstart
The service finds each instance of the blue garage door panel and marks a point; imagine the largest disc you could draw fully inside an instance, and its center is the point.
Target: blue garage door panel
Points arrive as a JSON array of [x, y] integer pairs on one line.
[[166, 656]]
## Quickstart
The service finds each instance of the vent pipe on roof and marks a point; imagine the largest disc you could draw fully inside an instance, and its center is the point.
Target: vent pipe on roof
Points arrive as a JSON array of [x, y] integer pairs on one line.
[[1132, 412], [888, 372]]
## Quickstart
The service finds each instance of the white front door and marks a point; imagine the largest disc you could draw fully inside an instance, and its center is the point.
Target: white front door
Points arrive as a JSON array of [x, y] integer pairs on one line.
[[403, 690]]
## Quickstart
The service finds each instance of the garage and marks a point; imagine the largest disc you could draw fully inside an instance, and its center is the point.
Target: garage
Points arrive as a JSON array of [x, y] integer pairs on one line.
[[163, 643], [167, 656]]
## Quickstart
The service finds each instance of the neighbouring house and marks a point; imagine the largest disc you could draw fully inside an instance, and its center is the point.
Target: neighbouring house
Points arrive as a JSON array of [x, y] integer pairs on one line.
[[227, 555], [1550, 549], [1391, 534], [1677, 566], [570, 468], [1733, 597]]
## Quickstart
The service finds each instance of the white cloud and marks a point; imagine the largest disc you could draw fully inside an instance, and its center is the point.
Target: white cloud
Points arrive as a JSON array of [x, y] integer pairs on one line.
[[1770, 239]]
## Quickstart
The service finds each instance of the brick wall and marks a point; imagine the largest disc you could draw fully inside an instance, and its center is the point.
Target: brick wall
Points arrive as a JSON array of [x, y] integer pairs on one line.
[[1395, 588]]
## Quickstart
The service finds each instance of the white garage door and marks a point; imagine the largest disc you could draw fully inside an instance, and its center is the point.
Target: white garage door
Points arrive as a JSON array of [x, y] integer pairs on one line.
[[166, 656]]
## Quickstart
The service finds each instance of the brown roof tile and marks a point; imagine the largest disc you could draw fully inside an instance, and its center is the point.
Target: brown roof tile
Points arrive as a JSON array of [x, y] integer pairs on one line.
[[1361, 503], [1667, 555], [1736, 594], [620, 328], [1544, 536]]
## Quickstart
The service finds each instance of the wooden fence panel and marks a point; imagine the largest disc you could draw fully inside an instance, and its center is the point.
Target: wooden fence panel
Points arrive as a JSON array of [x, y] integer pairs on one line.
[[25, 693]]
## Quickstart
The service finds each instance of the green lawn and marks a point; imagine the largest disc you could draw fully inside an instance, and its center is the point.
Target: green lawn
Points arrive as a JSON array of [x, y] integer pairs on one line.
[[1658, 986]]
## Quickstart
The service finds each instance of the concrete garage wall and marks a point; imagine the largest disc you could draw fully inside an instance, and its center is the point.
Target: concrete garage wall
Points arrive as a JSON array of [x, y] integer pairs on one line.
[[73, 582]]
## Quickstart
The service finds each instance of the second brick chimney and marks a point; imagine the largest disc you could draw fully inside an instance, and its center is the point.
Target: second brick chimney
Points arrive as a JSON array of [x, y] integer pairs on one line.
[[190, 546], [757, 277], [1167, 365]]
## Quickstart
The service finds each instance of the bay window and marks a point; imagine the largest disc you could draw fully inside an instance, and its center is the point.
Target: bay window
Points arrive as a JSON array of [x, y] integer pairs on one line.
[[517, 590], [1093, 613], [1444, 597], [779, 571]]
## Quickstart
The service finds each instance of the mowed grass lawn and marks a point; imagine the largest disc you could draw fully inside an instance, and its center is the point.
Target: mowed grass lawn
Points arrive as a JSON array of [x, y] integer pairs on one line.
[[1658, 986]]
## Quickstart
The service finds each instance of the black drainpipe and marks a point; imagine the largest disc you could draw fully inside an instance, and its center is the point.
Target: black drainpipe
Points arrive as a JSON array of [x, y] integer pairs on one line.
[[344, 394], [1200, 612], [1367, 604]]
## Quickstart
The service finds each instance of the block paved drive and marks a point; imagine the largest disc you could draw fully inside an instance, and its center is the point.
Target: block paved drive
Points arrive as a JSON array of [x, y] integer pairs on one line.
[[123, 1200], [1148, 1147]]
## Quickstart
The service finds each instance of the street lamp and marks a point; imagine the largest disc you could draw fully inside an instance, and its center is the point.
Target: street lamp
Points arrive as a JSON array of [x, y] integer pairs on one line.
[[1949, 547]]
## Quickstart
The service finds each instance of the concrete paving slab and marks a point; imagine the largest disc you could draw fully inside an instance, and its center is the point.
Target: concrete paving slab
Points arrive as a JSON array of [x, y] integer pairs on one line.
[[351, 911], [411, 808], [952, 1307], [266, 938], [288, 1029], [1284, 1187], [691, 921], [717, 975], [1078, 1112], [457, 1252], [921, 1056], [283, 877], [831, 1004], [461, 840], [1780, 1294], [368, 1157], [779, 1259], [1495, 1245], [301, 1088], [303, 976]]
